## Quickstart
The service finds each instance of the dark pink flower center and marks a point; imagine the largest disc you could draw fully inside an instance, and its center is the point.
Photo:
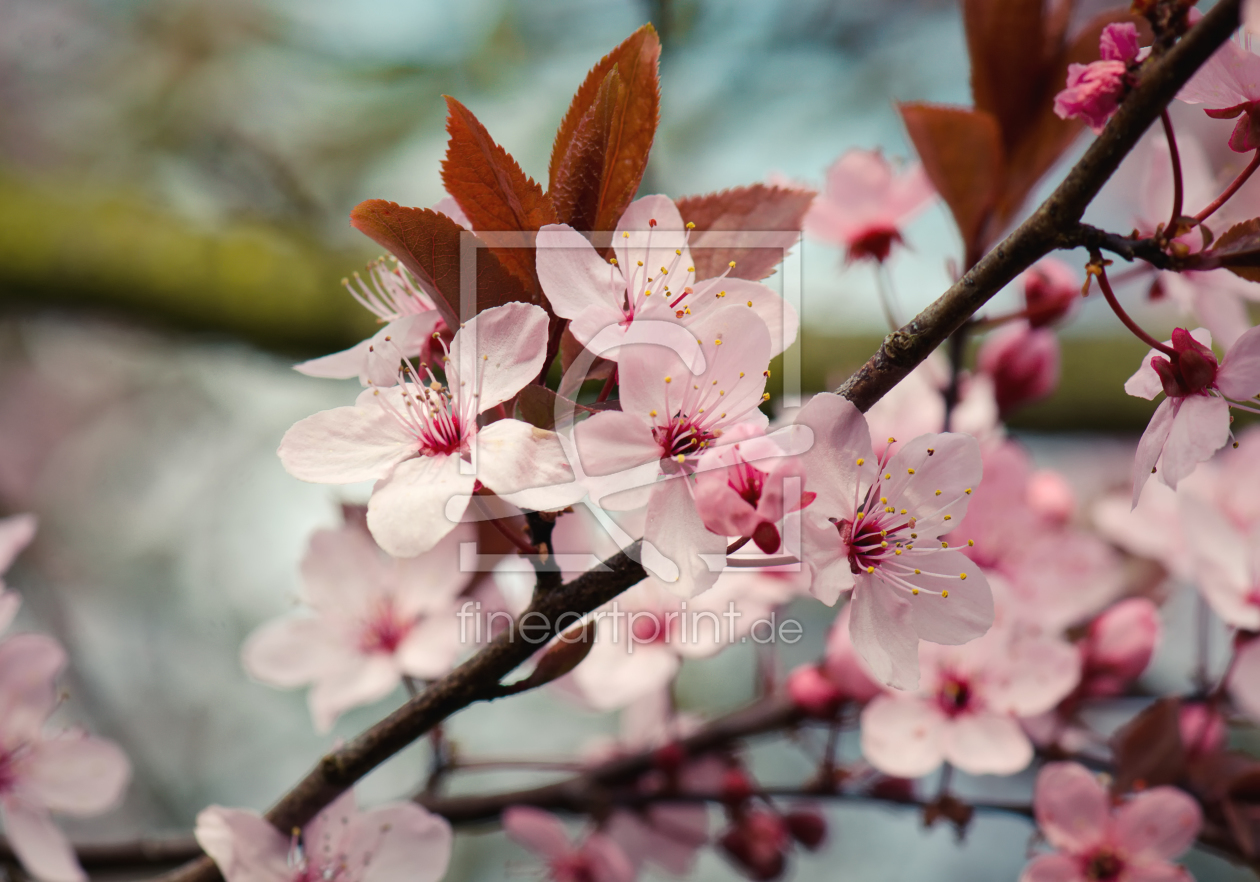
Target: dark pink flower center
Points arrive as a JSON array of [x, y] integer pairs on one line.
[[1192, 372], [650, 627], [956, 696], [384, 629], [1103, 866], [874, 244], [8, 775], [878, 535], [573, 867], [682, 436]]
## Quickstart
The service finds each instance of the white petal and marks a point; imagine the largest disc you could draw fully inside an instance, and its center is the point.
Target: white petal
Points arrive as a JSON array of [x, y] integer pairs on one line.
[[573, 275], [497, 353], [244, 845], [901, 735], [525, 465], [407, 511], [41, 847], [346, 444]]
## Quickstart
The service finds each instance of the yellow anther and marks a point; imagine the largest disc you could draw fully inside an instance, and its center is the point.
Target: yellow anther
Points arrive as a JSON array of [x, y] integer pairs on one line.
[[916, 572], [731, 264], [968, 491], [892, 440], [910, 471], [717, 342], [860, 514], [765, 396], [914, 590], [680, 457], [613, 261], [690, 269], [669, 379], [627, 236], [741, 373], [914, 535], [931, 451], [639, 262], [971, 543], [883, 545], [750, 303], [949, 517], [945, 593], [888, 477], [944, 545], [860, 461], [898, 551], [962, 576], [903, 511], [870, 570], [938, 492], [883, 500], [721, 293], [653, 413]]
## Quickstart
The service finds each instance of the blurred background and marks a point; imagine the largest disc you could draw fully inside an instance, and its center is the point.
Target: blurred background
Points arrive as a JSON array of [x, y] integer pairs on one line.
[[175, 180]]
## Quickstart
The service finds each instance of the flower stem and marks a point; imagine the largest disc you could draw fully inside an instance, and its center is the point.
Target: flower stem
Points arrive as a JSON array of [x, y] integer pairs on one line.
[[517, 539], [1230, 190], [1175, 156], [608, 386], [1124, 316]]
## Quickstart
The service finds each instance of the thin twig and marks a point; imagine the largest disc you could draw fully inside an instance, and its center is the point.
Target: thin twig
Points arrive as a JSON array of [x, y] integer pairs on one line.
[[1124, 317], [1175, 157], [1230, 190]]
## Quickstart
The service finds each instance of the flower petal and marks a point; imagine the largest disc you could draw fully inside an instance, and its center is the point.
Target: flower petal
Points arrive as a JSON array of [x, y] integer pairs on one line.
[[29, 664], [986, 744], [901, 736], [1052, 868], [1200, 427], [539, 831], [41, 847], [407, 511], [526, 466], [1151, 445], [618, 673], [841, 438], [431, 647], [882, 628], [965, 614], [401, 842], [362, 680], [574, 277], [74, 773], [1158, 824], [1239, 375], [346, 444], [16, 532], [244, 845], [675, 530], [497, 353], [10, 603], [1072, 806], [292, 651]]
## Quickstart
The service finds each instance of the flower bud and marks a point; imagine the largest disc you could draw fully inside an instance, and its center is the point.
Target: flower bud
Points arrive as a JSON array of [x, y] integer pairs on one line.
[[812, 692], [1119, 645], [758, 843], [736, 787], [1203, 730], [1050, 495], [1023, 362], [807, 826], [1051, 290]]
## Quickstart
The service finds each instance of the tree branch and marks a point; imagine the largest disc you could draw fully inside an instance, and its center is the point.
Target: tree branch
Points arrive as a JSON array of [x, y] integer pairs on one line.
[[478, 678]]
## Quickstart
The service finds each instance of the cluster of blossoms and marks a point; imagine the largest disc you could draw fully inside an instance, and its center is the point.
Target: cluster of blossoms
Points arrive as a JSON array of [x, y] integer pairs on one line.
[[42, 770]]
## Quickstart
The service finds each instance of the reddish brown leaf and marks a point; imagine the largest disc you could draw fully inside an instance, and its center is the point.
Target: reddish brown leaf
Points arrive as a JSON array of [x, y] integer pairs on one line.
[[1148, 750], [740, 213], [1010, 60], [561, 657], [1237, 250], [492, 190], [428, 244], [608, 130], [537, 405], [962, 153]]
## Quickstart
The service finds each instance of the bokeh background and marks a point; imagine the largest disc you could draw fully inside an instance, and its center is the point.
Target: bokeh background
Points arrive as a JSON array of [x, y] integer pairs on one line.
[[175, 180]]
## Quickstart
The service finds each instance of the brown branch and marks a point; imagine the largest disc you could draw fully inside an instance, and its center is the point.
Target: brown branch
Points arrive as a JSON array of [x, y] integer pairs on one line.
[[478, 678], [1161, 78]]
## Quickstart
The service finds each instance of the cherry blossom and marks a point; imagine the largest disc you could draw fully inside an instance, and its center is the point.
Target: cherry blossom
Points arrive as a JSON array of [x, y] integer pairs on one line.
[[1228, 86], [1118, 646], [69, 772], [875, 529], [1192, 422], [652, 277], [375, 620], [1024, 363], [866, 202], [669, 417], [418, 440], [966, 708], [16, 532], [758, 842], [1094, 90], [398, 842], [597, 859], [1051, 291], [411, 320], [1134, 841], [1226, 565], [745, 486]]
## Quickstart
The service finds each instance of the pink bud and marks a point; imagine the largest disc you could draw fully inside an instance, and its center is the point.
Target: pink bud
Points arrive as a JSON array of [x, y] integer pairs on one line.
[[1023, 362], [807, 826], [1050, 495], [1203, 729], [736, 787], [1093, 92], [1051, 290], [813, 693], [758, 843], [1119, 42], [1119, 645]]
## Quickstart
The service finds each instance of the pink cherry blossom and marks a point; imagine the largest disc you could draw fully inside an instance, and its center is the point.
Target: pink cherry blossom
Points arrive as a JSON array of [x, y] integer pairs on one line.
[[1204, 729], [1134, 841], [597, 859], [1228, 86], [1094, 90], [757, 842], [411, 320], [375, 620], [865, 203], [652, 277], [746, 485], [875, 529], [16, 532], [669, 417], [643, 636], [398, 842], [422, 442], [966, 708], [1023, 362], [1192, 422], [1051, 291], [1118, 646], [1051, 496], [68, 771], [1226, 562]]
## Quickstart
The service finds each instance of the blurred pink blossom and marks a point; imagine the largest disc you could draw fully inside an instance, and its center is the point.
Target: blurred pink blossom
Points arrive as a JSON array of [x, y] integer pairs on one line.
[[865, 203], [597, 859], [1228, 86], [1051, 496], [399, 842], [757, 842], [875, 529], [372, 620], [1118, 646], [966, 708], [1135, 841], [1024, 363], [1093, 90], [1244, 677], [16, 532], [1226, 562], [1052, 289], [1204, 729]]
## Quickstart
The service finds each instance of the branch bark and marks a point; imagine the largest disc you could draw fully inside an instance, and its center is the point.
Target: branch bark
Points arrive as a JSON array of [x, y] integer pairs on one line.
[[478, 679]]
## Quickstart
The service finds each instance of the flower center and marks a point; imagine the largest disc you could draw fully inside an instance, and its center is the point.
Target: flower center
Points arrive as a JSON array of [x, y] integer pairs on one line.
[[955, 696], [573, 868], [384, 629], [874, 244], [1104, 866], [682, 436]]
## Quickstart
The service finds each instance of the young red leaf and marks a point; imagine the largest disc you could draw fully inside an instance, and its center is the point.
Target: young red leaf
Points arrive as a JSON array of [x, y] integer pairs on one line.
[[743, 210], [428, 244], [607, 134], [1148, 750], [1007, 44], [1237, 250], [492, 190], [962, 154]]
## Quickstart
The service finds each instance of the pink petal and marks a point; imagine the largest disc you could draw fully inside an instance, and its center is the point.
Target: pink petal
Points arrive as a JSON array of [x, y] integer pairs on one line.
[[1158, 824], [841, 438], [618, 673], [29, 664], [611, 442], [778, 315], [1239, 375], [1036, 673], [573, 275], [843, 665], [1222, 562], [1052, 868], [346, 444], [654, 245], [539, 831], [323, 837], [16, 532], [1072, 807], [1151, 445], [953, 468], [882, 628], [1200, 427], [399, 843], [293, 651], [830, 573], [407, 511], [376, 358], [243, 844], [498, 353], [1145, 382], [1161, 872], [431, 647], [526, 466], [1227, 79], [10, 602], [902, 736], [343, 571], [608, 862], [74, 773], [41, 847], [674, 530], [361, 680], [986, 744], [965, 614]]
